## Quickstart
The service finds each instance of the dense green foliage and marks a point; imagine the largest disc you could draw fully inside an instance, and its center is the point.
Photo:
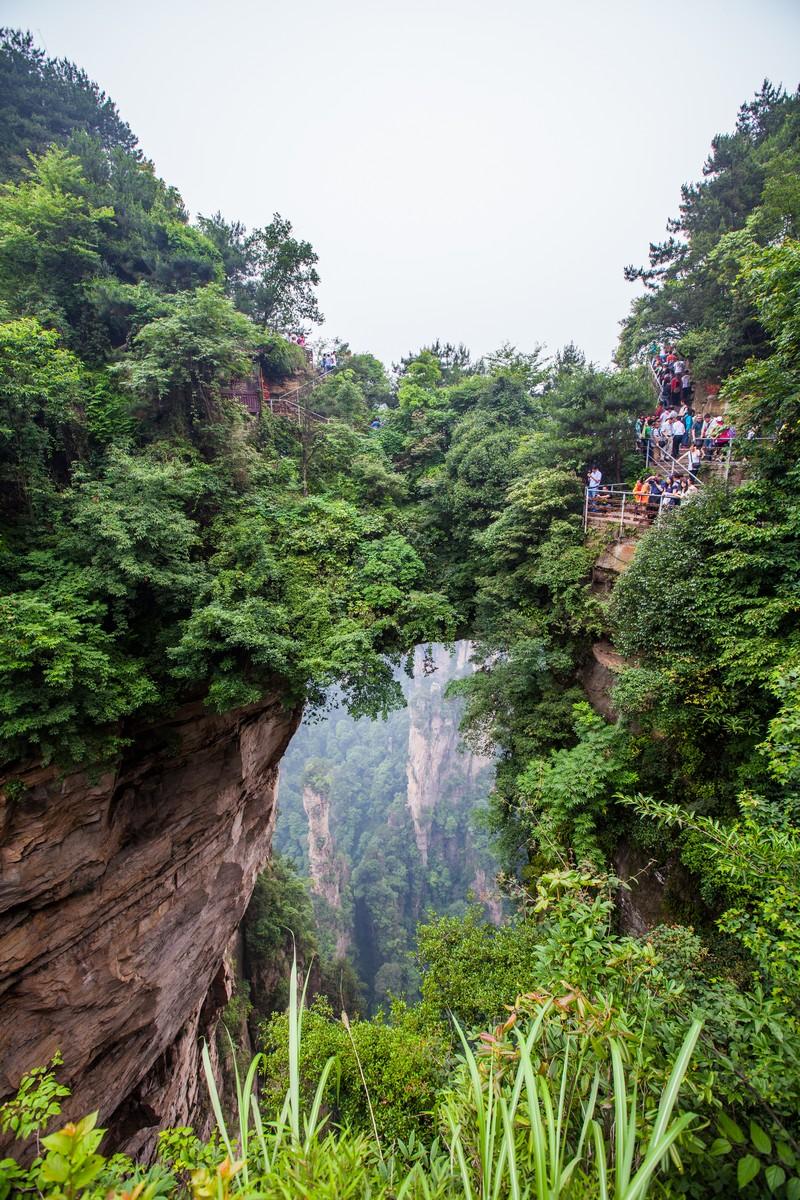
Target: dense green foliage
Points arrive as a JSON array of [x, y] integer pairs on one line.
[[157, 545]]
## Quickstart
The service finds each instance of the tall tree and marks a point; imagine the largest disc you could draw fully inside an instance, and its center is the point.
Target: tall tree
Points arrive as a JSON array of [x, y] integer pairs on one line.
[[44, 100], [271, 275]]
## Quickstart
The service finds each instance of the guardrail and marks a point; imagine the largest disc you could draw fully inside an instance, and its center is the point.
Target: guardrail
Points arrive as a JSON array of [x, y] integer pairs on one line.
[[621, 508], [716, 455]]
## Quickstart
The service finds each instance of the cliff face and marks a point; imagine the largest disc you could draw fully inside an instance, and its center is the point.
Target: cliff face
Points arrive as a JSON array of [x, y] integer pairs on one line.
[[118, 897], [436, 767], [327, 869]]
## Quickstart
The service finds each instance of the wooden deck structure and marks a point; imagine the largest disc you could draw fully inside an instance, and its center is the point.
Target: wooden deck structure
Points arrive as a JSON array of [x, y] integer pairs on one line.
[[256, 395]]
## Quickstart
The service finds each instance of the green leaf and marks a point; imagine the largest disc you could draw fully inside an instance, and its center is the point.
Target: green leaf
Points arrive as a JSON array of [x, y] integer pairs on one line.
[[719, 1146], [775, 1176], [786, 1154], [793, 1189], [730, 1129], [55, 1168], [760, 1139], [747, 1170]]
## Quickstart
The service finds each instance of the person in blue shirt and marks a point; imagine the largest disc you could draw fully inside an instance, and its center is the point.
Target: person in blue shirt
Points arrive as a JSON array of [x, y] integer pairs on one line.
[[688, 421]]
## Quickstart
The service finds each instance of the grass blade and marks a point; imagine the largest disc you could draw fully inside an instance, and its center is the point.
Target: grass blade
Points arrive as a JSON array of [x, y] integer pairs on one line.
[[213, 1096], [600, 1155], [670, 1093]]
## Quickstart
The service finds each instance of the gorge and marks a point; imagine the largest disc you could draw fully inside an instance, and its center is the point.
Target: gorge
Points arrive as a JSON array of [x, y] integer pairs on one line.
[[383, 819], [531, 923]]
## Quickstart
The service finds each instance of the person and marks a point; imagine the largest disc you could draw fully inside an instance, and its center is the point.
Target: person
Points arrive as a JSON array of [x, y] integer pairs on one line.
[[678, 367], [711, 433], [725, 436], [686, 386], [688, 425], [637, 432], [678, 430], [654, 496], [671, 493], [666, 389], [593, 480], [640, 493], [603, 502], [695, 458], [675, 390]]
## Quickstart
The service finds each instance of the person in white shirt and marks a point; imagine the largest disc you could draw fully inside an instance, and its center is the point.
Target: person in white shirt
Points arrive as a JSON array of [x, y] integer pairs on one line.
[[593, 480], [678, 429], [712, 432]]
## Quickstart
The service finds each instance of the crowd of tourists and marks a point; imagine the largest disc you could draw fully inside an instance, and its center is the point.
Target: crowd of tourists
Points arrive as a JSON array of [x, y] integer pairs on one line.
[[651, 494], [675, 429]]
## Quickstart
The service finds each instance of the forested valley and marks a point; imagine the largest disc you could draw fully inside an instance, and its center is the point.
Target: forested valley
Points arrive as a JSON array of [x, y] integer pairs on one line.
[[184, 578]]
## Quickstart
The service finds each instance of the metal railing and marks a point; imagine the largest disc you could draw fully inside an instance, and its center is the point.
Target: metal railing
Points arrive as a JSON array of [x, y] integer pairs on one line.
[[622, 508], [715, 455], [284, 405], [659, 458]]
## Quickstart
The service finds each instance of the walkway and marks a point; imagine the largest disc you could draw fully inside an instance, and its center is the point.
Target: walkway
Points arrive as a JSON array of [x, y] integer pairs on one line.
[[257, 396]]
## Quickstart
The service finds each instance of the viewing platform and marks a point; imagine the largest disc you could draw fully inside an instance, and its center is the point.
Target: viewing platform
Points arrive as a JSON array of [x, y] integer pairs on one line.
[[256, 395]]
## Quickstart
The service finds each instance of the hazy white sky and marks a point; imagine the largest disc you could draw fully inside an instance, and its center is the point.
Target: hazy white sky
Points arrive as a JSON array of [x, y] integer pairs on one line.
[[467, 170]]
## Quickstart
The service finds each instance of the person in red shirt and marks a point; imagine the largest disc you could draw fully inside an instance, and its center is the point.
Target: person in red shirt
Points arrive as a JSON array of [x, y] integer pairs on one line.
[[675, 387]]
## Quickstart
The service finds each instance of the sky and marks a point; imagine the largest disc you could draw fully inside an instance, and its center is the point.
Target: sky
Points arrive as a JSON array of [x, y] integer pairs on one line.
[[472, 171]]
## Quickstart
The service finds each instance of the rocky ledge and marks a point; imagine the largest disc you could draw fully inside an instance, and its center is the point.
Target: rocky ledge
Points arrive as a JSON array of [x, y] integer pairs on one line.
[[118, 896]]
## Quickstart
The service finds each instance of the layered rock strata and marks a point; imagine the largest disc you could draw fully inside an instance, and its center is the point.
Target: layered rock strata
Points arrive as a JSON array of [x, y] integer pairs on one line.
[[118, 896]]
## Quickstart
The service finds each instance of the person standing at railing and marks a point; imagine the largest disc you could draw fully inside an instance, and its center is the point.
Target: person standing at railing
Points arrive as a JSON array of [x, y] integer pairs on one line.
[[593, 481], [654, 496], [678, 431], [725, 436], [711, 433], [638, 433], [640, 493], [688, 427]]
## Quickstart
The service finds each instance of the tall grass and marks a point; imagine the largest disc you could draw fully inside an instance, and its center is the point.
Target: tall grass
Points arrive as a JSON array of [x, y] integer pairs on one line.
[[524, 1134]]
